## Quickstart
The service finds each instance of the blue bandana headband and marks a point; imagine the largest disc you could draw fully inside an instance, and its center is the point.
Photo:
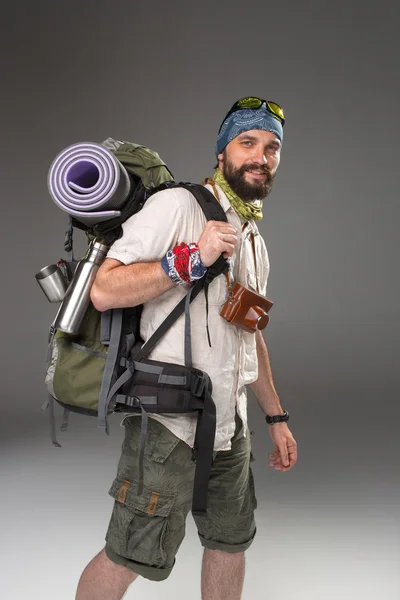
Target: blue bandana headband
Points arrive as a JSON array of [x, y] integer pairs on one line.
[[244, 120]]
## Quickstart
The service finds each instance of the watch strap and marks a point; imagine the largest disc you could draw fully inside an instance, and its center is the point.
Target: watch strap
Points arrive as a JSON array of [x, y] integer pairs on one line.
[[271, 419]]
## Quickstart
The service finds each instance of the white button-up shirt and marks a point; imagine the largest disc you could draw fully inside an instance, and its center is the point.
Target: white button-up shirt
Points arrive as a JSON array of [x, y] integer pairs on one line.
[[168, 218]]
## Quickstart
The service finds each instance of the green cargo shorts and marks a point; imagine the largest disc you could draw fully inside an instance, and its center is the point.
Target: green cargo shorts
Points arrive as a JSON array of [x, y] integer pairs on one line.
[[146, 530]]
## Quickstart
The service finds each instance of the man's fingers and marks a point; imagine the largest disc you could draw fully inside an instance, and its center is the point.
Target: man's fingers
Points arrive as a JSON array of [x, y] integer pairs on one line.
[[228, 237], [220, 228], [284, 454], [292, 451], [228, 249], [280, 455], [217, 238], [223, 225], [283, 457]]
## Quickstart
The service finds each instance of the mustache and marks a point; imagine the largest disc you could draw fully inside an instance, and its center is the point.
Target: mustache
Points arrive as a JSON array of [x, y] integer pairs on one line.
[[263, 168]]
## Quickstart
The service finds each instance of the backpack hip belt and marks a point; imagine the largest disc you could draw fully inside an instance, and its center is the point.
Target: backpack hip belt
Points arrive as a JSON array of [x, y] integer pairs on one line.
[[165, 388]]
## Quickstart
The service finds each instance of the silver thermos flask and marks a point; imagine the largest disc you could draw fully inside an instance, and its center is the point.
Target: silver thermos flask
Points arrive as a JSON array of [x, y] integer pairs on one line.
[[77, 296]]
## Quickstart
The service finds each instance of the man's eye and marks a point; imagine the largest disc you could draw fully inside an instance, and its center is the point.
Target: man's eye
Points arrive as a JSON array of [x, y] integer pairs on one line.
[[247, 143]]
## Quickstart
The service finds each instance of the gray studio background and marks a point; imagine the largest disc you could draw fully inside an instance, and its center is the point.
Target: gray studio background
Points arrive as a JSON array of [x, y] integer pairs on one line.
[[164, 75]]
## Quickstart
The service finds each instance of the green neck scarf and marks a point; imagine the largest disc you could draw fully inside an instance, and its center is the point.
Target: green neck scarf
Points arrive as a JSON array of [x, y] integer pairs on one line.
[[246, 210]]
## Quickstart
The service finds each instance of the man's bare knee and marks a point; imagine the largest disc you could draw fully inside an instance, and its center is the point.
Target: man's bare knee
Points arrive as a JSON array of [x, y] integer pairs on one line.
[[103, 579], [122, 572]]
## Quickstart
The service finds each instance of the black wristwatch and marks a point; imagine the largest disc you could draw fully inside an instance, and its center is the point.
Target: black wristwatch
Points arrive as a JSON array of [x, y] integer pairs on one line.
[[271, 419]]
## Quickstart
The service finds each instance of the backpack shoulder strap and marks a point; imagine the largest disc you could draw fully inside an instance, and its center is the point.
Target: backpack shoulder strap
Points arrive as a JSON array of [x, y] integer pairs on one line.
[[211, 207], [168, 322]]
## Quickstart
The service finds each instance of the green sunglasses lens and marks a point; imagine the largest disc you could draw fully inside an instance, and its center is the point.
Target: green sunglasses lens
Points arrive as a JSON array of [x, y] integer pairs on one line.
[[249, 103], [277, 110]]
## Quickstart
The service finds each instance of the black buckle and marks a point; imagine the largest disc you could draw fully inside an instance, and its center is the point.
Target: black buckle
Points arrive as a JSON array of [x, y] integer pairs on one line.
[[68, 237], [198, 385]]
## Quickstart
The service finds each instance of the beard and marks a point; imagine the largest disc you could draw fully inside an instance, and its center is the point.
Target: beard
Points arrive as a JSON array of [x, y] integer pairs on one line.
[[245, 190]]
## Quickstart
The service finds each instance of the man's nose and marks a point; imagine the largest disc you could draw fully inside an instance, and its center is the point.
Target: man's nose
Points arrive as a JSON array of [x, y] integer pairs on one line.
[[260, 157]]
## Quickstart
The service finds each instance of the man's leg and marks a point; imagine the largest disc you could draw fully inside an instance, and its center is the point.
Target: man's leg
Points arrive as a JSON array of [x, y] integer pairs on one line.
[[228, 528], [147, 528], [104, 580], [222, 575]]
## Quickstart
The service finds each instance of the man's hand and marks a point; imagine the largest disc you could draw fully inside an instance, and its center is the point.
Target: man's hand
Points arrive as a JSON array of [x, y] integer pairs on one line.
[[284, 456], [217, 238]]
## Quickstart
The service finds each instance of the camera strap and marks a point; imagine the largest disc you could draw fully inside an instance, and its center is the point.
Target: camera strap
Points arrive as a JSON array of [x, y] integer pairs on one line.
[[253, 245]]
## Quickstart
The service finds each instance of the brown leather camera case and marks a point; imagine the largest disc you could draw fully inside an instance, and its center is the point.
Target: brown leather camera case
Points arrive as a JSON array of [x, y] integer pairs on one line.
[[246, 309]]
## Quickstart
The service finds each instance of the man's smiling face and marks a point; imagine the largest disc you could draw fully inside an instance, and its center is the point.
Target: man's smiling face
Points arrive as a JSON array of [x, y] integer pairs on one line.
[[249, 163]]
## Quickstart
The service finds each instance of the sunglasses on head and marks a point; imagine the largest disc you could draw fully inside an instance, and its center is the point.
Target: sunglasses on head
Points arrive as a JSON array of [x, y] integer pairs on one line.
[[254, 103]]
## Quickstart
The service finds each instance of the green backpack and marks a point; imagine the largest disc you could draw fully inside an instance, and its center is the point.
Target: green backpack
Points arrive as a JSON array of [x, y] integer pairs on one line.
[[75, 369], [104, 368]]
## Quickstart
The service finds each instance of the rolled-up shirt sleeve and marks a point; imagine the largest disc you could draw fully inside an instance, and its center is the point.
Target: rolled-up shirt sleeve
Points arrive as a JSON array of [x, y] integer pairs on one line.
[[154, 230]]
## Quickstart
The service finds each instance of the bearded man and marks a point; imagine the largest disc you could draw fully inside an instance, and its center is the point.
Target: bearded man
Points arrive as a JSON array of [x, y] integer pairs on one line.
[[145, 266]]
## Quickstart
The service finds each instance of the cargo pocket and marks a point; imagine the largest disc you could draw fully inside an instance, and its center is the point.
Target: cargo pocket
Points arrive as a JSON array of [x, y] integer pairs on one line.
[[139, 525]]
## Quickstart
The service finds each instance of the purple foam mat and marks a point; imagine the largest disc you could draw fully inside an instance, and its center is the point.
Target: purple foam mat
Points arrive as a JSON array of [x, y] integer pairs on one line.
[[88, 182]]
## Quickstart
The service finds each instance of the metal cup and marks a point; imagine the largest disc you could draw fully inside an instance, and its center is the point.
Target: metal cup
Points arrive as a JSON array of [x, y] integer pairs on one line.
[[53, 283]]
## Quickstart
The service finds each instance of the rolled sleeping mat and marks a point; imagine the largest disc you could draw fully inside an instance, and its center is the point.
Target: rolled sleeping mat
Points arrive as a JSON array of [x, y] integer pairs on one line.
[[89, 183]]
